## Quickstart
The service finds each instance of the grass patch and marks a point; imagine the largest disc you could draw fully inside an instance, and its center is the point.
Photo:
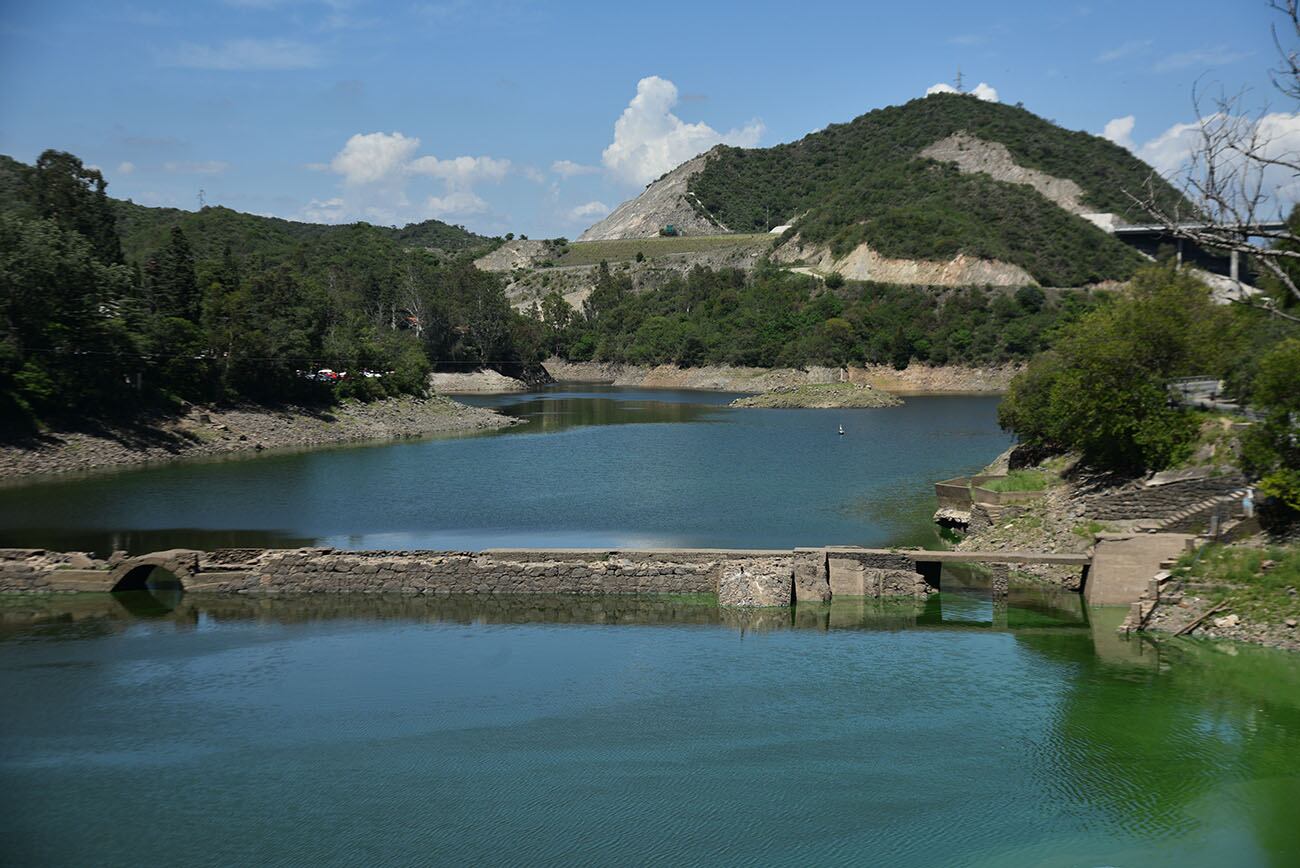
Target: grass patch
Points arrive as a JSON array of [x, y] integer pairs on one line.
[[626, 249], [1019, 480], [1262, 595], [1088, 530]]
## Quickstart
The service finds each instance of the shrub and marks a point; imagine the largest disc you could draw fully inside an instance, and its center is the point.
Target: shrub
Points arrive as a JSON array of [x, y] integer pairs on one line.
[[1102, 391]]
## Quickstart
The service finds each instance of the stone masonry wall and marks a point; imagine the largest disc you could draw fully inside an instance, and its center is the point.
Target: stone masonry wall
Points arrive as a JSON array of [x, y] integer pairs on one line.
[[745, 578], [1160, 501]]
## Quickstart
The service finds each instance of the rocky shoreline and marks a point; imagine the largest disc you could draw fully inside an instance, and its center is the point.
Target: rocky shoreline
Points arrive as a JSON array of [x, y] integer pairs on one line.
[[212, 431], [913, 380], [820, 396]]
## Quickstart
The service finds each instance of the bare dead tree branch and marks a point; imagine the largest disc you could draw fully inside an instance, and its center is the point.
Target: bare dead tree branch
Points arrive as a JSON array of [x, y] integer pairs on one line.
[[1231, 176]]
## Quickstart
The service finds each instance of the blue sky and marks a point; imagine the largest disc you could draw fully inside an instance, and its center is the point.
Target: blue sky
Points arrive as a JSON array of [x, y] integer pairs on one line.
[[502, 114]]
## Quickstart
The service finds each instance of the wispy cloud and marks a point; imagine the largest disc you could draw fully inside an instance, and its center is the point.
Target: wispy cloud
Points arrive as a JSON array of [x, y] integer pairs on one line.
[[1128, 49], [570, 169], [242, 54], [590, 209], [195, 167], [1219, 55], [968, 39]]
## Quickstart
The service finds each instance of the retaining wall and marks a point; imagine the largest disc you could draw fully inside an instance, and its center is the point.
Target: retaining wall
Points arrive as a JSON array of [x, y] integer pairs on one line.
[[1160, 501]]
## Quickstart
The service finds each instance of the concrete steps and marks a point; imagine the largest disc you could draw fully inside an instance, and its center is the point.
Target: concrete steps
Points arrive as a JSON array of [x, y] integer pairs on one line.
[[1189, 517]]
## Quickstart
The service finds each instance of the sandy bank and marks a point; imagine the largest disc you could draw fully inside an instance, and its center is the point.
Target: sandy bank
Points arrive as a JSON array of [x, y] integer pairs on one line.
[[207, 431]]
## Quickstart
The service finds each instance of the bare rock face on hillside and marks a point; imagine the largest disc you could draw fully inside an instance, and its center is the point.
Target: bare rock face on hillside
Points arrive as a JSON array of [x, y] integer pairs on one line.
[[863, 263], [520, 253], [665, 202], [971, 155]]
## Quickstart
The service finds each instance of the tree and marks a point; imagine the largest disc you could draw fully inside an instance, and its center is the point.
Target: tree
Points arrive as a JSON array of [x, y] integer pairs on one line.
[[1271, 448], [488, 320], [74, 196], [1103, 389], [177, 287], [1227, 180], [557, 313]]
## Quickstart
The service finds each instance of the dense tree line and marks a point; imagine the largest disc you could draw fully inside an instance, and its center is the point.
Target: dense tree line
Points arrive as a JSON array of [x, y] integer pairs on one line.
[[863, 182], [1103, 388], [774, 318], [222, 306]]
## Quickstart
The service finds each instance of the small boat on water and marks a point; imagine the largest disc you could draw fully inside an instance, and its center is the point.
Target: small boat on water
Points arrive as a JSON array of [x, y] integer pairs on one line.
[[841, 430]]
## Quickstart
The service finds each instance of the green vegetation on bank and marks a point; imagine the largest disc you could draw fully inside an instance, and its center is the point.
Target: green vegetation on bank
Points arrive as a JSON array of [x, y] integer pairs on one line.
[[863, 182], [1261, 583], [1019, 480], [111, 309], [1103, 390], [772, 318]]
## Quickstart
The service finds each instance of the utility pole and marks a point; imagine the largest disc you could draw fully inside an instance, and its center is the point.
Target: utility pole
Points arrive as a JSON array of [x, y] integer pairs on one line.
[[202, 202], [958, 81]]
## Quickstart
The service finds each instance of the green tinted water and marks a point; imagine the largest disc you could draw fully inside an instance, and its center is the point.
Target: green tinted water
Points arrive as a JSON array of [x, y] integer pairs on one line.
[[364, 730]]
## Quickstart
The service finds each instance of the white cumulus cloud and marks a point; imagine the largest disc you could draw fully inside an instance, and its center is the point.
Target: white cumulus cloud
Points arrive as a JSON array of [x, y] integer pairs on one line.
[[1170, 152], [324, 210], [1120, 131], [650, 140], [125, 167], [461, 172], [590, 209], [982, 91], [372, 157], [381, 173]]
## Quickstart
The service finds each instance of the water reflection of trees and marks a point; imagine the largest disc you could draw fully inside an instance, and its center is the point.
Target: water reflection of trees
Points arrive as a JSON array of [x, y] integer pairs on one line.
[[1155, 734]]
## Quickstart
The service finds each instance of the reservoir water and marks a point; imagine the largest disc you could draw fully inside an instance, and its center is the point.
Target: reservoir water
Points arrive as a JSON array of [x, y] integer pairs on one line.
[[371, 731], [157, 729], [592, 467]]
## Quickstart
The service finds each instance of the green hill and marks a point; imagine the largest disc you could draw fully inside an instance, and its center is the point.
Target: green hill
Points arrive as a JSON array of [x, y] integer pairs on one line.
[[866, 182], [144, 229]]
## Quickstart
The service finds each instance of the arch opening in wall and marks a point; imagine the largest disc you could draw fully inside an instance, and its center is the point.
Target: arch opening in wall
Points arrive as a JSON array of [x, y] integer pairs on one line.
[[149, 591]]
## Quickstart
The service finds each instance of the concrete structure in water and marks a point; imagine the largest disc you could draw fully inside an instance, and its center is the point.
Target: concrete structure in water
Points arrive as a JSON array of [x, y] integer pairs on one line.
[[739, 577]]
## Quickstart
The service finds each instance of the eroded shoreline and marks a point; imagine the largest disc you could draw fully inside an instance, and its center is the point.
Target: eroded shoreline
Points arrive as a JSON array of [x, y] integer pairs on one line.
[[204, 432]]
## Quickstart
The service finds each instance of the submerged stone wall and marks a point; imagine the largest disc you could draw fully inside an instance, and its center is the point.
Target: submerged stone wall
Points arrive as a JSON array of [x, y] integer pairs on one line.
[[751, 578]]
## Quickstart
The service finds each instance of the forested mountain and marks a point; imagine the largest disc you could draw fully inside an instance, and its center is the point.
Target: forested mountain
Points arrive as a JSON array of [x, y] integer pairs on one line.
[[773, 318], [212, 230], [869, 182], [109, 308]]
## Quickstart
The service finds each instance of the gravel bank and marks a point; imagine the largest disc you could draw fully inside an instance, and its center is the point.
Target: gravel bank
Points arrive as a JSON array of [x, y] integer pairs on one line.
[[205, 431]]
